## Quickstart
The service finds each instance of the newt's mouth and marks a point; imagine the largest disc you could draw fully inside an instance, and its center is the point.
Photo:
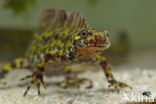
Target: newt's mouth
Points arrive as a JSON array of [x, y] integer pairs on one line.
[[103, 43]]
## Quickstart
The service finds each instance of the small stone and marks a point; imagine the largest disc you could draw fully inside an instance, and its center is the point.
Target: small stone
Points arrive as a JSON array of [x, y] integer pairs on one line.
[[89, 94], [146, 93], [69, 101]]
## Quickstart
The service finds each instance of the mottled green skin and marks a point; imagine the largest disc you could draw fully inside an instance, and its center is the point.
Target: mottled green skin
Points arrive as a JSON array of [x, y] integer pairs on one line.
[[57, 32]]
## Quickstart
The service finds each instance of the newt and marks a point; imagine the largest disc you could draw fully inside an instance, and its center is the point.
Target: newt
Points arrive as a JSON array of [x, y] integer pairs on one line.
[[64, 39]]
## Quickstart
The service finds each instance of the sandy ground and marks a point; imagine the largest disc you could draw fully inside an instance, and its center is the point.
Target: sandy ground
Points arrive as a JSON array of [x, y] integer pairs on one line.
[[140, 78]]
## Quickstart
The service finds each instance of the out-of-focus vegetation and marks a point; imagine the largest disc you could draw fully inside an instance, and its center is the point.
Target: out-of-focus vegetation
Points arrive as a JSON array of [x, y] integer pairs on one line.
[[93, 2], [19, 6]]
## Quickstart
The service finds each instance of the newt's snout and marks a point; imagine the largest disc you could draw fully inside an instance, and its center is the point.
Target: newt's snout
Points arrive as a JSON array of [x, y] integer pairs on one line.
[[99, 41]]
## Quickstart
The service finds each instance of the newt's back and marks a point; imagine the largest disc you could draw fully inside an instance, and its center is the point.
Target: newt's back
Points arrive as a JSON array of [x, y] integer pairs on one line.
[[57, 28]]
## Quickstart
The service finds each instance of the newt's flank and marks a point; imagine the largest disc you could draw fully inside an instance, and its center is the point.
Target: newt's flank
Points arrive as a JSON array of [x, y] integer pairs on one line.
[[64, 39]]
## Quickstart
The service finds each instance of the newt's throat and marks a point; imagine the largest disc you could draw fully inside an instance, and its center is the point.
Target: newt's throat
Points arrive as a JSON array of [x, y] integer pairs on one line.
[[88, 51]]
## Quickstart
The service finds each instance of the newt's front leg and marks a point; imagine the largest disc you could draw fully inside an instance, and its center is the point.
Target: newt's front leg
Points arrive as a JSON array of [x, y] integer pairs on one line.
[[37, 75], [108, 73], [37, 78]]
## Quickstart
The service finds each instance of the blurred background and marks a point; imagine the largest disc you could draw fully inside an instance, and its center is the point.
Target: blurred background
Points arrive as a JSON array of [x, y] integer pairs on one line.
[[131, 23]]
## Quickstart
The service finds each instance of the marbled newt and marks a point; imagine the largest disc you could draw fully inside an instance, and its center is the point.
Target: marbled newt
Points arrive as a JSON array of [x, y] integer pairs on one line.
[[63, 39]]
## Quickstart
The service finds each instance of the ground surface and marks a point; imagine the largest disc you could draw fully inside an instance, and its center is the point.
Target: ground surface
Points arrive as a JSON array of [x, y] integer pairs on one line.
[[141, 80], [134, 73]]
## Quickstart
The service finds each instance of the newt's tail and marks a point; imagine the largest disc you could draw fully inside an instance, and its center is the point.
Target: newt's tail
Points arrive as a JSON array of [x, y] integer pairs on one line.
[[18, 63]]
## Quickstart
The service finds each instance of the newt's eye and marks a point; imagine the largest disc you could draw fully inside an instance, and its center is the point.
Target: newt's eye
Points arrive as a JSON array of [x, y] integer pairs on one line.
[[83, 33], [107, 33]]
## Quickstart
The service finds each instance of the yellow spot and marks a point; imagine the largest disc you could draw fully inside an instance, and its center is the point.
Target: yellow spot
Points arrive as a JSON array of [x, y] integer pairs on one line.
[[18, 62], [7, 67], [42, 64], [52, 52], [100, 58], [68, 68], [77, 37], [61, 52]]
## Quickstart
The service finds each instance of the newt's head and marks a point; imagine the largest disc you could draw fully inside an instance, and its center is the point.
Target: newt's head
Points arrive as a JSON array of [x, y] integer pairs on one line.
[[92, 39]]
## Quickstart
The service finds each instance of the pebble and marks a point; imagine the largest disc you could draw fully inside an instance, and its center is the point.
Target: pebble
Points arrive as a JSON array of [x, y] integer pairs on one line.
[[89, 94], [69, 101], [146, 93]]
